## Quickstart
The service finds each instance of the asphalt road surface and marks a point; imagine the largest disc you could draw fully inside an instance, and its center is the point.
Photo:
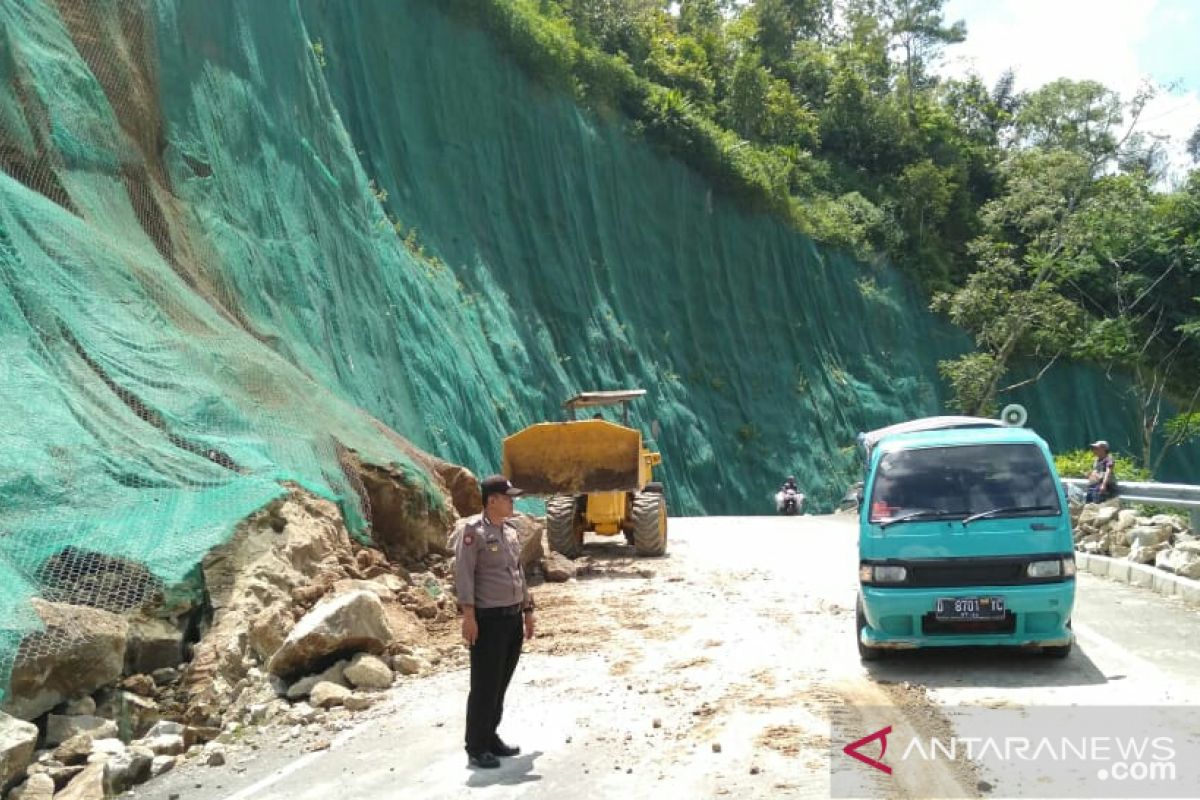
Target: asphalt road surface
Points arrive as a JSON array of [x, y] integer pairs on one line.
[[717, 671]]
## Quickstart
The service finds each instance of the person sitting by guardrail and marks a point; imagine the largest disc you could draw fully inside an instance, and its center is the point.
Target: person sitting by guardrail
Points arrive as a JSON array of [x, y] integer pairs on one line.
[[1102, 480]]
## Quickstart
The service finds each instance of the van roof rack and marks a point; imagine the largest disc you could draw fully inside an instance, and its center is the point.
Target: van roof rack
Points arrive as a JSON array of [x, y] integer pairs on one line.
[[869, 439]]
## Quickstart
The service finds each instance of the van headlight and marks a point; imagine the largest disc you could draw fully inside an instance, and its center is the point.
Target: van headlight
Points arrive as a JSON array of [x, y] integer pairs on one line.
[[882, 573], [1046, 569]]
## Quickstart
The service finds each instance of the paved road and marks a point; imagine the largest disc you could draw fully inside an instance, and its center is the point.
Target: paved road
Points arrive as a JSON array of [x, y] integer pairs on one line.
[[716, 672]]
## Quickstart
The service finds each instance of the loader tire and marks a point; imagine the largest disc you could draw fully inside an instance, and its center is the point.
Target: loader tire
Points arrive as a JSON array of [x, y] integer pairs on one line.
[[649, 518], [561, 528]]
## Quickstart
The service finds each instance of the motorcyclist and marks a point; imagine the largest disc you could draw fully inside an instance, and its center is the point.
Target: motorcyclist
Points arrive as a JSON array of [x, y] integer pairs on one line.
[[789, 496]]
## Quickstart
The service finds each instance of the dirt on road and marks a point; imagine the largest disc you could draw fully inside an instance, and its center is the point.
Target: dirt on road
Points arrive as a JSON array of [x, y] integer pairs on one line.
[[720, 670]]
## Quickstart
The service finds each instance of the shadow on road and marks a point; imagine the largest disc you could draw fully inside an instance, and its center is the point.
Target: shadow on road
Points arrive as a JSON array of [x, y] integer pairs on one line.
[[512, 771], [982, 667]]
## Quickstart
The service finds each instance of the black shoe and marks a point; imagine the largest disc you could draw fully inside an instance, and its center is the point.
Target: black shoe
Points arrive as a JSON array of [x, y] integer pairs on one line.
[[502, 749], [484, 760]]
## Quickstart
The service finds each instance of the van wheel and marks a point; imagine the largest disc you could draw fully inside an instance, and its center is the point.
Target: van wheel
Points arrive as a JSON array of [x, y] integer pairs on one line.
[[1062, 651], [1058, 652], [860, 621]]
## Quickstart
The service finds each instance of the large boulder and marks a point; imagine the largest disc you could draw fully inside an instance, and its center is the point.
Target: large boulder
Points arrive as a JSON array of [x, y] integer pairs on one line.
[[530, 530], [342, 624], [127, 768], [368, 672], [558, 568], [336, 673], [269, 628], [139, 714], [463, 488], [328, 695], [1147, 554], [80, 650], [1142, 536], [408, 521], [87, 785], [60, 728], [38, 786], [1183, 560], [1169, 521], [1088, 515], [17, 742], [1126, 519]]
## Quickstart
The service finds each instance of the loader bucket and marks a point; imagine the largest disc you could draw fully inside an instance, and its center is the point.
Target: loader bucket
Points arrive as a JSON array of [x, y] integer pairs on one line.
[[574, 458]]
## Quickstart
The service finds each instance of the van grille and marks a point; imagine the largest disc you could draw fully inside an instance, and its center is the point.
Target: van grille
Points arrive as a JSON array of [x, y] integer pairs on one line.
[[972, 573]]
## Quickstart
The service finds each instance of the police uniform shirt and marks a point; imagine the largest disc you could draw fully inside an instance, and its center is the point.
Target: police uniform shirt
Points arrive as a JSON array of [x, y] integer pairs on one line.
[[487, 571]]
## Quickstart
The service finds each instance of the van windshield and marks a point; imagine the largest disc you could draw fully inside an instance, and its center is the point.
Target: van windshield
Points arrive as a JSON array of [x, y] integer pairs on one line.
[[958, 482]]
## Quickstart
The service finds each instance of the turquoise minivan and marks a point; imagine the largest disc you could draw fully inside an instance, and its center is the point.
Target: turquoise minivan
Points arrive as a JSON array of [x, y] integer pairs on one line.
[[964, 539]]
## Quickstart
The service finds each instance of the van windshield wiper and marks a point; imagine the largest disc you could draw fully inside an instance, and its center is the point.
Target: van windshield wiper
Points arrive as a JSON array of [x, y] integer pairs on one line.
[[918, 514], [1006, 510]]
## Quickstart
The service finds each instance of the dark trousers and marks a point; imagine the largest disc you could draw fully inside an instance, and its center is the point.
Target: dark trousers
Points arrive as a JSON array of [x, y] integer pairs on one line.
[[493, 659]]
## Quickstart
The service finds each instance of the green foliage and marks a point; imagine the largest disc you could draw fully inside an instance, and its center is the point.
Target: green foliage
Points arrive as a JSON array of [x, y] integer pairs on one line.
[[1032, 220], [1078, 463], [1184, 427], [970, 377]]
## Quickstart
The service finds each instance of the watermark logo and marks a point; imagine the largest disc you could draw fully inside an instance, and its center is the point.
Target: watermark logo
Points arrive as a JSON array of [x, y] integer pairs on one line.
[[854, 747], [1068, 752]]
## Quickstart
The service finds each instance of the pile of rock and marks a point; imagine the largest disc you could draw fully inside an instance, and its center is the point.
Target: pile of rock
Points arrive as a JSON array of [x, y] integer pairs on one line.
[[300, 625], [1163, 540]]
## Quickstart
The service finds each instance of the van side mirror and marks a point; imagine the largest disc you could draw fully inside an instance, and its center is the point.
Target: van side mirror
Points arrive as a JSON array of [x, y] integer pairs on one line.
[[853, 497]]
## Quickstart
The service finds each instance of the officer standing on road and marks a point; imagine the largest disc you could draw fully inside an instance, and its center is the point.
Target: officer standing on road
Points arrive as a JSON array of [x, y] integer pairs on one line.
[[497, 611]]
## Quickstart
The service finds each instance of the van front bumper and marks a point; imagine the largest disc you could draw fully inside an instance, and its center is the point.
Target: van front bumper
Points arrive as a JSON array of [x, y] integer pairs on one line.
[[900, 619]]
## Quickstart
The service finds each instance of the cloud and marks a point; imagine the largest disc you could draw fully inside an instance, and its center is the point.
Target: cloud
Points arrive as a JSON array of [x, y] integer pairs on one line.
[[1099, 40]]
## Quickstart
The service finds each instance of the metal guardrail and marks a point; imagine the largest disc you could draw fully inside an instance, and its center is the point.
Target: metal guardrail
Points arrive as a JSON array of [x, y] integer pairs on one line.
[[1172, 495]]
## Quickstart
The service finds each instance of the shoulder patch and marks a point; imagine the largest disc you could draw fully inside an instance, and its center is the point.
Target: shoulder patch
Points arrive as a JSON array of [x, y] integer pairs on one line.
[[468, 537]]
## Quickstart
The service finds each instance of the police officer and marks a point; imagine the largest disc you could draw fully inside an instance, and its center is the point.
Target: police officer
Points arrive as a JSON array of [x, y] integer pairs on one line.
[[497, 612]]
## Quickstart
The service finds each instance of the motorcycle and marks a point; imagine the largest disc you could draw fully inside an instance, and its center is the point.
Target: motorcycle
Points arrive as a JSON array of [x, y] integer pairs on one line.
[[789, 502]]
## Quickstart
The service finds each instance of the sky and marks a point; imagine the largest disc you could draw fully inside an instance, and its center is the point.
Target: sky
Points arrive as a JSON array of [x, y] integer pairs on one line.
[[1119, 43]]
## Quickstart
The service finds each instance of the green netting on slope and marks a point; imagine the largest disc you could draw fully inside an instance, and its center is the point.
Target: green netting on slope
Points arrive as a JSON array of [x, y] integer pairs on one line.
[[143, 414], [199, 288], [763, 354]]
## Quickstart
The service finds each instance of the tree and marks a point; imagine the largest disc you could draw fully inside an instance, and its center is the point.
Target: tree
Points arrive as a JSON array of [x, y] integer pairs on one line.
[[919, 31], [782, 22], [1193, 145], [1012, 303], [1013, 310], [613, 25], [1117, 258], [1084, 117]]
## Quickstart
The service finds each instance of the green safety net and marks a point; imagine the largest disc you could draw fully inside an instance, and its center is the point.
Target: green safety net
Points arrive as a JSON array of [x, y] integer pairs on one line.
[[234, 236]]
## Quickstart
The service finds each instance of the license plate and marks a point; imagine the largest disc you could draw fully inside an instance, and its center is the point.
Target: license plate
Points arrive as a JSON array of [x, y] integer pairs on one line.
[[970, 608]]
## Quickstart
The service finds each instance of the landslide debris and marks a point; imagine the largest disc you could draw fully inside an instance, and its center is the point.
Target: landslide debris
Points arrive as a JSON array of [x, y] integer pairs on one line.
[[299, 626]]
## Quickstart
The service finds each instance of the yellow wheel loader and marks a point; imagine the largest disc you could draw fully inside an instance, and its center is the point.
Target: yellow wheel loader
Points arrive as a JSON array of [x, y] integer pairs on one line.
[[597, 476]]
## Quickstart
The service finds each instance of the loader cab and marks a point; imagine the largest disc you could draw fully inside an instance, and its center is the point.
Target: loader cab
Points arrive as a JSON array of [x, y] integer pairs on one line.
[[964, 539], [596, 400]]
